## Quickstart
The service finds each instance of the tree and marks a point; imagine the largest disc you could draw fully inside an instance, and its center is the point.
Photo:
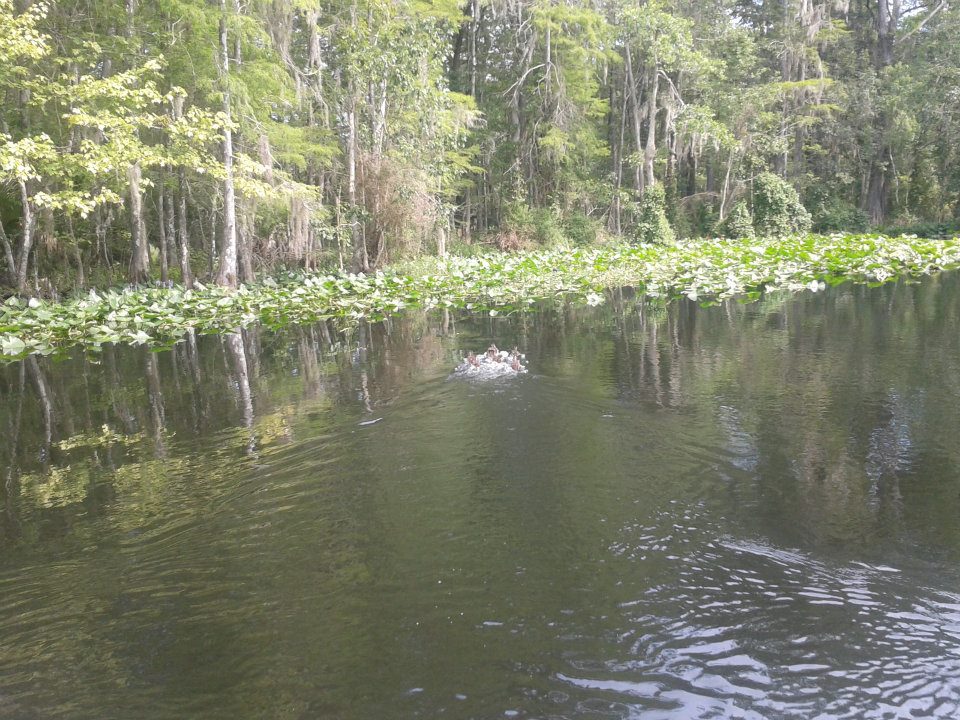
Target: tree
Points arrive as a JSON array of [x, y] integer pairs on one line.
[[227, 274], [352, 133]]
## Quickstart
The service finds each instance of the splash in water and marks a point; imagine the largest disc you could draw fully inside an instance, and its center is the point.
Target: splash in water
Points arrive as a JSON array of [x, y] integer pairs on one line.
[[494, 363]]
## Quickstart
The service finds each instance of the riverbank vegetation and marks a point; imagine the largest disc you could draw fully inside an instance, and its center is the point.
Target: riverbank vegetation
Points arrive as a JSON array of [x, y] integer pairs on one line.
[[228, 141], [701, 270]]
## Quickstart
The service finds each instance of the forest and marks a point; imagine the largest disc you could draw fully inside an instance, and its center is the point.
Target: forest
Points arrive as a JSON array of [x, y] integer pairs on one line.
[[184, 140]]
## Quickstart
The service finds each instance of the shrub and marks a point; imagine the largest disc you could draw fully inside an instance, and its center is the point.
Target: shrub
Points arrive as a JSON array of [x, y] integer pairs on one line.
[[836, 215], [702, 220], [652, 224], [546, 227], [777, 209], [739, 223], [517, 216], [580, 228], [523, 226], [509, 240], [400, 210], [908, 224], [516, 227]]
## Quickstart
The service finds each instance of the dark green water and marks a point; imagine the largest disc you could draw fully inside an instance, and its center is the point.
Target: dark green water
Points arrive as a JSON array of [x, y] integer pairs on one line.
[[740, 511]]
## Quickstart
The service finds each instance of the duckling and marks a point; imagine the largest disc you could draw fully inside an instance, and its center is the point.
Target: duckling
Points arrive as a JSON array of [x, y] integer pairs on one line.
[[491, 364]]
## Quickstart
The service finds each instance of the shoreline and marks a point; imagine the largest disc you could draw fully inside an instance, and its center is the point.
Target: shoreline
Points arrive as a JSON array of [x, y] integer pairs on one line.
[[703, 270]]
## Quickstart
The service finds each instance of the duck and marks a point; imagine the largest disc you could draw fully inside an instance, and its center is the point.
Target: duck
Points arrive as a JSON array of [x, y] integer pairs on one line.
[[493, 363]]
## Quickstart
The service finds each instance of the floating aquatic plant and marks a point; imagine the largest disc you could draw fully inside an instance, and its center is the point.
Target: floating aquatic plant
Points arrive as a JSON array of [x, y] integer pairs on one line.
[[702, 270]]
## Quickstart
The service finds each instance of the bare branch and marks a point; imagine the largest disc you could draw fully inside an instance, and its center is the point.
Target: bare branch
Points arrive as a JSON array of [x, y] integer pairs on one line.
[[943, 5]]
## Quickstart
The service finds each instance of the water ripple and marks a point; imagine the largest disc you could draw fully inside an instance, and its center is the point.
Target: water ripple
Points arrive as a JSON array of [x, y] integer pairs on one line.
[[745, 629]]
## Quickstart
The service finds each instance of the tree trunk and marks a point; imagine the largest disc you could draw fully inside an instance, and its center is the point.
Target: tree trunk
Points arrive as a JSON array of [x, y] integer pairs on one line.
[[692, 171], [473, 47], [876, 202], [178, 233], [183, 233], [27, 223], [162, 230], [670, 140], [101, 226], [888, 18], [227, 273], [358, 262], [139, 271], [245, 244], [170, 228], [877, 191], [725, 193], [77, 255], [380, 119], [8, 255], [614, 223], [633, 91], [650, 151], [442, 241]]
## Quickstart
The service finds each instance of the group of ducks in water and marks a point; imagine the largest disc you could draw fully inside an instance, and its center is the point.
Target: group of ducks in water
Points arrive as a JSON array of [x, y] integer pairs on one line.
[[493, 363]]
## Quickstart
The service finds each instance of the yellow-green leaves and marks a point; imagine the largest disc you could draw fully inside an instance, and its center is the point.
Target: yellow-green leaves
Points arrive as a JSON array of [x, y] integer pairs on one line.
[[20, 37], [25, 159]]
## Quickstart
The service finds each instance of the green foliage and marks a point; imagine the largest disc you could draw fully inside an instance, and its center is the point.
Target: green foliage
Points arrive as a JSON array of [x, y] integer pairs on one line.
[[20, 38], [104, 118], [523, 225], [739, 223], [777, 209], [547, 227], [834, 214], [382, 122], [924, 228], [580, 228], [664, 38], [700, 270], [652, 225]]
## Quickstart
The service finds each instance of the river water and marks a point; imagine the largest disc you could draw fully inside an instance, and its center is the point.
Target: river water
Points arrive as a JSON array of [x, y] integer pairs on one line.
[[740, 511]]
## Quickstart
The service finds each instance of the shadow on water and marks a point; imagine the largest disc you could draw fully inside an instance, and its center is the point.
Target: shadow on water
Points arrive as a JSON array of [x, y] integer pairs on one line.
[[735, 511]]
